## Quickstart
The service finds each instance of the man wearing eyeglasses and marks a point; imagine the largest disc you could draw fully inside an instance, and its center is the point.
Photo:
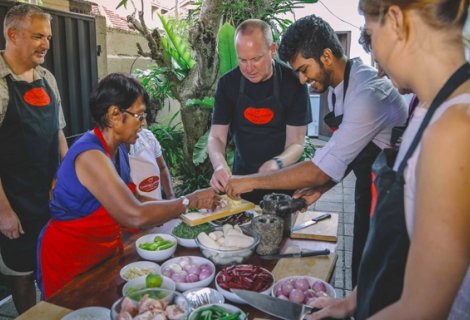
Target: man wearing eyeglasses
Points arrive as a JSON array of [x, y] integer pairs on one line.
[[263, 105], [32, 143]]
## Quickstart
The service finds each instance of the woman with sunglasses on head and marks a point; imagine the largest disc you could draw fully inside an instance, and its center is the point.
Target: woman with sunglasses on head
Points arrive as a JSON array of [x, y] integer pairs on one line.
[[94, 196], [416, 263]]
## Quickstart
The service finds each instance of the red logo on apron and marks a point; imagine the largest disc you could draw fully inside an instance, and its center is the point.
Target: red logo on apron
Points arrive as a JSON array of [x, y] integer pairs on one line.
[[149, 184], [37, 97], [258, 115]]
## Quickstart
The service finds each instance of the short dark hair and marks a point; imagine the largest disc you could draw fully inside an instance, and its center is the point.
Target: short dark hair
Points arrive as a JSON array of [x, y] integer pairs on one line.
[[309, 36], [365, 41], [116, 89]]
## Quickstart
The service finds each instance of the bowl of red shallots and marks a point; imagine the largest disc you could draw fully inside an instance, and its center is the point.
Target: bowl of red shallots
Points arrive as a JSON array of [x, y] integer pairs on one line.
[[302, 289]]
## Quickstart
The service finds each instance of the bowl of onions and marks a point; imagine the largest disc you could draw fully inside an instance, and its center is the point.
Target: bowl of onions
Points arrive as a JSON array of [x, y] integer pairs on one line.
[[302, 289], [189, 272]]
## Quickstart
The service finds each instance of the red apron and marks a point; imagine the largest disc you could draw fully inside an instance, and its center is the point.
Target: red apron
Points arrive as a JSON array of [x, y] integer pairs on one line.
[[79, 244]]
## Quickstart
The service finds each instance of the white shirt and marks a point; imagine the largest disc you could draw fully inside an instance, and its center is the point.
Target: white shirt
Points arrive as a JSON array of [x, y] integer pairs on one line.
[[145, 172], [371, 108], [461, 307]]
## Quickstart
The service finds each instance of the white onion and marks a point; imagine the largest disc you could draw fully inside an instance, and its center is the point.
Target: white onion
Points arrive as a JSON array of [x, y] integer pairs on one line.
[[175, 267], [193, 268], [179, 276]]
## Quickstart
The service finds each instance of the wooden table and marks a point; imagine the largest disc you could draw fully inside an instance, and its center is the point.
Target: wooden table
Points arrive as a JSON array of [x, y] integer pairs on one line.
[[102, 285]]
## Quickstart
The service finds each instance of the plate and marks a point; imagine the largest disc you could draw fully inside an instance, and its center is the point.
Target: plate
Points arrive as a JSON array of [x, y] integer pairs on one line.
[[95, 313]]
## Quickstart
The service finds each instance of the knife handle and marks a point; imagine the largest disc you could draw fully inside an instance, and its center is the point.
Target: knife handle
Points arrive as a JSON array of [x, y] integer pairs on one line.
[[315, 253], [298, 204], [322, 217]]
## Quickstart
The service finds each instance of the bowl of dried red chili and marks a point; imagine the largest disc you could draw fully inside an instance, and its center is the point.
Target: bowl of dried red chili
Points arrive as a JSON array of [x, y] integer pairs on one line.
[[245, 277]]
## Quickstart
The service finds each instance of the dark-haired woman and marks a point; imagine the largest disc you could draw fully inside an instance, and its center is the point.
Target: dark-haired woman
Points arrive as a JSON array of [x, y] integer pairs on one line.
[[93, 195], [416, 263]]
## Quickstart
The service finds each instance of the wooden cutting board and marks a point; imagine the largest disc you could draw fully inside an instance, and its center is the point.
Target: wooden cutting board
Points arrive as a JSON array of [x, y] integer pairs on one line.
[[44, 310], [233, 207], [321, 267], [325, 230]]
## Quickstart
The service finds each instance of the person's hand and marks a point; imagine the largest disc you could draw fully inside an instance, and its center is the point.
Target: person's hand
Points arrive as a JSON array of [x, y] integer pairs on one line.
[[204, 198], [238, 185], [310, 195], [10, 225], [330, 308], [268, 166], [220, 178]]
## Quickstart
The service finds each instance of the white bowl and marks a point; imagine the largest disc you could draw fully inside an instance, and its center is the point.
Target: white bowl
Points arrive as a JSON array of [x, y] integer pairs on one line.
[[137, 269], [139, 283], [229, 295], [227, 307], [330, 291], [203, 296], [157, 255], [183, 286], [187, 243]]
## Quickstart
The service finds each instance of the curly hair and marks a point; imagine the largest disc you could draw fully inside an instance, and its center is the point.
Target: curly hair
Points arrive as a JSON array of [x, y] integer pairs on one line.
[[309, 36], [116, 89]]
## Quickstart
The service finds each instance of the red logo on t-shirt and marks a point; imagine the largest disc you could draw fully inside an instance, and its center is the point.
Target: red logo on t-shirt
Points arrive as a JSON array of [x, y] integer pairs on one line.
[[37, 97], [149, 184], [258, 115]]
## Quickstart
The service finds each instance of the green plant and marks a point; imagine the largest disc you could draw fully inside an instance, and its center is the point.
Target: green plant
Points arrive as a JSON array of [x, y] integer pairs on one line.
[[188, 179], [226, 49], [309, 149], [156, 83], [170, 137]]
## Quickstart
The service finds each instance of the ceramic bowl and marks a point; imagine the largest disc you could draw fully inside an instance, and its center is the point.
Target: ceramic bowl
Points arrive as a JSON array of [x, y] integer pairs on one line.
[[137, 269], [187, 261], [203, 296], [171, 297], [229, 295], [227, 307], [316, 287], [157, 255], [139, 284]]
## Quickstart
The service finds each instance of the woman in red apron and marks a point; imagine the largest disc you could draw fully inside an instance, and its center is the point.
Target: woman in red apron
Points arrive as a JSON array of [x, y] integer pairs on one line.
[[90, 200], [416, 263]]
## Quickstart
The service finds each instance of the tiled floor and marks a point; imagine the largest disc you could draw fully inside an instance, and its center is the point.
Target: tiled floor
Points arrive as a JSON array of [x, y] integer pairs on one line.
[[339, 199]]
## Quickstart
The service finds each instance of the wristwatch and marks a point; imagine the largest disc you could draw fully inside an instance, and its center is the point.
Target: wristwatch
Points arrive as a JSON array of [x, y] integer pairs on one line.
[[185, 202]]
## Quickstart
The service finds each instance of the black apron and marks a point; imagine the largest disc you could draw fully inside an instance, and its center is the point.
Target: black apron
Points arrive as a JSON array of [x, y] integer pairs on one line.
[[361, 166], [382, 268], [259, 133], [28, 162]]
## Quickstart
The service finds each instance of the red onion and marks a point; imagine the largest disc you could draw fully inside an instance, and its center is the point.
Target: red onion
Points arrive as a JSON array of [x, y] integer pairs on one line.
[[302, 284], [296, 296], [319, 286], [286, 288], [205, 273], [192, 277]]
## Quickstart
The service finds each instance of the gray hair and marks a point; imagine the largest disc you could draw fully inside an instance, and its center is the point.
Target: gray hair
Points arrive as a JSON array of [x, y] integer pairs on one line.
[[251, 25], [19, 13]]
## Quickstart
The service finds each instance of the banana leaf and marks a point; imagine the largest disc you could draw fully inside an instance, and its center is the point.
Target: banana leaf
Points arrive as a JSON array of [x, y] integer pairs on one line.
[[226, 49]]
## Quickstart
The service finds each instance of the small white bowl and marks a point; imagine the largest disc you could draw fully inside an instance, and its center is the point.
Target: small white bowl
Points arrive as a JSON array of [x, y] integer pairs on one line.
[[183, 286], [157, 255], [229, 295], [330, 291], [203, 296], [139, 283], [137, 269], [227, 307], [187, 243]]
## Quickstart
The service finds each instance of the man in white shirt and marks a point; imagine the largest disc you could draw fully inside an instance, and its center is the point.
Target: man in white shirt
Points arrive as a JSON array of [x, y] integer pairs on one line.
[[364, 109]]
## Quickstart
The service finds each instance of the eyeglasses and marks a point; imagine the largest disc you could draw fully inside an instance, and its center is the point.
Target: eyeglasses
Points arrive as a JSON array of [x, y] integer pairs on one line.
[[139, 116]]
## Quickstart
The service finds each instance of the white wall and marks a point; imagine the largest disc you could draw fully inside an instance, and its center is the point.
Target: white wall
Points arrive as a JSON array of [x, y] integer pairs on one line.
[[344, 9]]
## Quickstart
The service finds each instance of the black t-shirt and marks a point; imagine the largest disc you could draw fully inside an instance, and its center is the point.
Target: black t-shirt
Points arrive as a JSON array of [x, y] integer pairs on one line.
[[294, 96]]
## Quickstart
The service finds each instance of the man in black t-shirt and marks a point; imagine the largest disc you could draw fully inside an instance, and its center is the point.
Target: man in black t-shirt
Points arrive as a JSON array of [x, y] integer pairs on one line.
[[263, 105]]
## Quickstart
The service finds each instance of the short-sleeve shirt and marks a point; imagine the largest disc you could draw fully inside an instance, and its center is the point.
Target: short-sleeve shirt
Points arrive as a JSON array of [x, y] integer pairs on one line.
[[146, 141], [39, 73], [371, 108], [294, 96]]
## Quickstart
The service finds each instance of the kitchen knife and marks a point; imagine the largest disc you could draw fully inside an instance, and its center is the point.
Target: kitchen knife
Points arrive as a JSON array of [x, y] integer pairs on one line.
[[310, 222], [277, 307], [297, 254]]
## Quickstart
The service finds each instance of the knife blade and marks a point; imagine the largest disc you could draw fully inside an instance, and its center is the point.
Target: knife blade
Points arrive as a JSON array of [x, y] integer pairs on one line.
[[274, 306], [297, 254], [310, 222]]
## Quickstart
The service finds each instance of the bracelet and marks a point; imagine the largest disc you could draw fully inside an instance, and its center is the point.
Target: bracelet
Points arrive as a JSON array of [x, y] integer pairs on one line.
[[279, 162]]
